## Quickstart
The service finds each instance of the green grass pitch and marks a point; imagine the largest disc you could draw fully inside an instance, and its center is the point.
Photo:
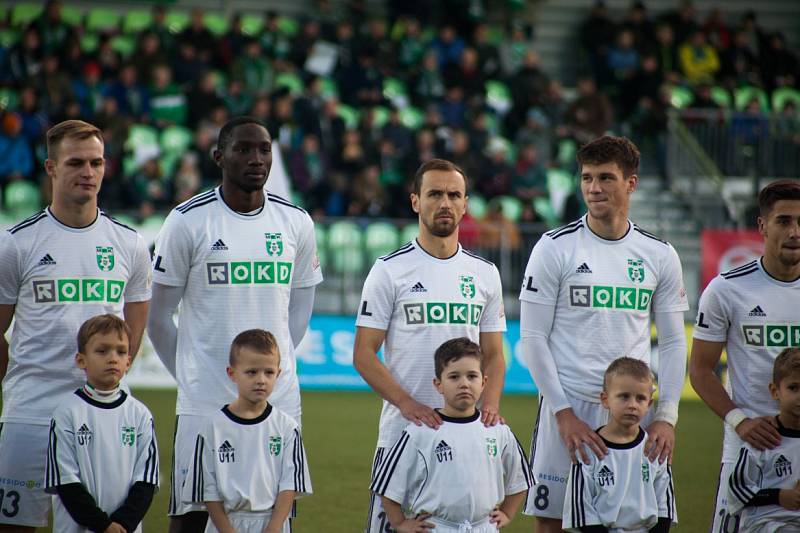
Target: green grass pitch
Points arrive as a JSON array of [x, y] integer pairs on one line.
[[340, 428]]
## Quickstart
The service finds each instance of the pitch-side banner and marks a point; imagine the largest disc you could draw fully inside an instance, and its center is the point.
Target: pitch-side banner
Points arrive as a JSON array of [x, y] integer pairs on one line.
[[727, 249]]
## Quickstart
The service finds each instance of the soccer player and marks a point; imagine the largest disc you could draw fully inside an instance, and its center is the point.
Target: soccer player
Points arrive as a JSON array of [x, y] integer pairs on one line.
[[752, 313], [623, 491], [587, 295], [462, 476], [58, 268], [249, 463], [415, 298], [102, 461], [763, 488], [238, 258]]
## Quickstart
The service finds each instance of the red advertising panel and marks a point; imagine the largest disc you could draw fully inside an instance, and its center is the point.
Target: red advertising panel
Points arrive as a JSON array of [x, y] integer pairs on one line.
[[723, 250]]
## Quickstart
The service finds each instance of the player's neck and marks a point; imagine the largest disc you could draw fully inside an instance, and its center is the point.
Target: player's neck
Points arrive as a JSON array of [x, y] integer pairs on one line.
[[72, 214], [452, 412], [243, 408], [775, 268], [789, 421], [241, 201], [100, 395], [611, 229], [439, 247], [618, 433]]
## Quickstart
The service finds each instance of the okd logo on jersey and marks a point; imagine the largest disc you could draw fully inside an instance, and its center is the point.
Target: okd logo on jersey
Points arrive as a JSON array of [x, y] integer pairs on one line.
[[610, 297], [249, 273], [771, 335], [77, 290], [442, 313]]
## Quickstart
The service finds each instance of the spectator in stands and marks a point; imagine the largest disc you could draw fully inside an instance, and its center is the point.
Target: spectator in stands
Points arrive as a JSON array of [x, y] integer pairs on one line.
[[382, 47], [106, 57], [202, 97], [717, 32], [590, 115], [153, 191], [666, 53], [187, 178], [468, 76], [236, 99], [367, 197], [232, 43], [303, 42], [363, 84], [395, 131], [537, 132], [429, 84], [411, 47], [34, 119], [530, 178], [739, 63], [755, 35], [215, 117], [497, 231], [353, 157], [623, 59], [779, 66], [682, 21], [308, 165], [198, 35], [596, 36], [261, 109], [167, 101], [467, 159], [638, 23], [131, 96], [53, 30], [488, 53], [158, 27], [17, 160], [148, 55], [73, 57], [496, 174], [529, 84], [453, 109], [273, 41], [645, 83], [392, 179], [513, 50], [203, 147], [253, 70], [425, 150], [347, 47], [331, 127], [699, 61], [787, 146], [88, 90], [703, 98], [24, 60], [189, 65], [54, 86], [447, 46]]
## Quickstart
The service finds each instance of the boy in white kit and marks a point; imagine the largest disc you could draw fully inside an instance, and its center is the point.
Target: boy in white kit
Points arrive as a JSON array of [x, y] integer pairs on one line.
[[460, 477], [102, 459], [623, 491], [249, 462], [764, 485]]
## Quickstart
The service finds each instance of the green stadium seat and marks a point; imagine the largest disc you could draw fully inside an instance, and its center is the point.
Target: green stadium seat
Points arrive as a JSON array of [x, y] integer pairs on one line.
[[560, 184], [291, 81], [743, 95], [102, 19], [89, 42], [567, 149], [380, 116], [252, 24], [176, 20], [501, 143], [412, 117], [124, 45], [216, 23], [288, 26], [175, 139], [141, 135], [344, 247], [784, 95], [22, 14], [220, 80], [476, 205], [395, 91], [722, 97], [545, 210], [409, 233], [71, 15], [496, 34], [321, 235], [511, 206], [329, 88], [498, 96], [22, 199], [349, 114], [8, 37], [8, 99], [380, 238], [680, 97], [136, 20]]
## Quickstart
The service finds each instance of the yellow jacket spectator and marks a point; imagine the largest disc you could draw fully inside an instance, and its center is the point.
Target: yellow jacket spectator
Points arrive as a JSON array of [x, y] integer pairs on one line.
[[699, 60]]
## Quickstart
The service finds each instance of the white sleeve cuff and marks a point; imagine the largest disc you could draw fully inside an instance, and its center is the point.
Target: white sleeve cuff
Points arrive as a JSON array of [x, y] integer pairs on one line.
[[667, 412]]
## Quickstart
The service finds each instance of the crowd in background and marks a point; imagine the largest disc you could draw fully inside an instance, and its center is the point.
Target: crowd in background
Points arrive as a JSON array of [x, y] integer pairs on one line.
[[441, 58]]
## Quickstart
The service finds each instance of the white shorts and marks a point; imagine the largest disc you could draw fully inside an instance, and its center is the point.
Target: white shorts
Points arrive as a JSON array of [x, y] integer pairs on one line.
[[248, 522], [446, 526], [23, 460], [723, 521], [187, 427], [550, 461], [377, 522]]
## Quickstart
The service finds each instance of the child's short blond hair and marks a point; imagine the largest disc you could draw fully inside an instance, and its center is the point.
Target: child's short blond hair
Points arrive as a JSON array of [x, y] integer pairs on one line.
[[627, 366], [96, 325], [786, 364], [257, 340]]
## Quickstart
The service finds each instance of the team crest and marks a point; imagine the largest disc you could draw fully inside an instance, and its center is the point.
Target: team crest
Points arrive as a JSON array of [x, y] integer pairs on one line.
[[105, 258], [274, 445], [645, 472], [274, 244], [467, 286], [491, 447], [636, 270], [128, 435]]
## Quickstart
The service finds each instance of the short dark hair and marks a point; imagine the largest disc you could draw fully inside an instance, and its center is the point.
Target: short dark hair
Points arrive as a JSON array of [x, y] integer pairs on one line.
[[786, 364], [436, 164], [453, 350], [627, 366], [107, 323], [227, 130], [777, 190], [610, 149], [257, 340], [70, 129]]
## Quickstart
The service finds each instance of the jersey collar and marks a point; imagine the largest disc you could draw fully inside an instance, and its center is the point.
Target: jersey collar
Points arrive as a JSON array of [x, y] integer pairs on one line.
[[622, 239], [82, 229], [775, 280], [459, 420], [625, 445], [787, 432], [243, 216], [247, 421], [101, 405], [425, 253]]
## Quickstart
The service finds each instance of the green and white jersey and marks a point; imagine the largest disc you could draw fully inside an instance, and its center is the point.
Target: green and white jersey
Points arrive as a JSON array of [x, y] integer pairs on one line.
[[245, 463], [603, 292], [238, 271], [421, 302], [756, 316], [57, 277], [105, 446]]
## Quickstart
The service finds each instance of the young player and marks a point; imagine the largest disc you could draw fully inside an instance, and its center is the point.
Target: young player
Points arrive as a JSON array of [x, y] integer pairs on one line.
[[249, 463], [764, 486], [237, 258], [463, 476], [414, 299], [58, 268], [625, 490], [102, 461], [751, 312], [587, 296]]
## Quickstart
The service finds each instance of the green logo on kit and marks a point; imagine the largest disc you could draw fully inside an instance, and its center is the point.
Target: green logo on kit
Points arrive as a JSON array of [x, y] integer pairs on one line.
[[105, 258], [128, 435], [274, 445], [491, 446], [645, 472], [636, 270], [274, 244], [467, 286]]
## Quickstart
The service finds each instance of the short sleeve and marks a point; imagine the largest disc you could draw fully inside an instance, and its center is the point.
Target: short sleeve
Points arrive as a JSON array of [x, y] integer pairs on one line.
[[745, 479], [139, 285], [201, 483], [146, 468], [712, 318], [517, 475], [62, 460], [9, 265], [542, 280], [579, 505], [295, 475], [402, 473], [172, 260], [306, 264], [494, 316], [665, 492], [670, 293], [377, 298]]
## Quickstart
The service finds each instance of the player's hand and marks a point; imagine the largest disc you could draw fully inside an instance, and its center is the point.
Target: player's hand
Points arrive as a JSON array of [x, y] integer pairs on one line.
[[420, 414], [575, 433], [760, 432], [490, 415], [660, 441], [416, 524], [114, 527], [499, 518], [790, 498]]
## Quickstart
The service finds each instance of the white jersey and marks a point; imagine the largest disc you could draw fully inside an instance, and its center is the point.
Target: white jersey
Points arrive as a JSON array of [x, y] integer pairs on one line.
[[756, 316], [106, 447], [421, 302], [756, 471], [238, 271], [458, 472], [57, 277], [245, 463], [624, 491], [603, 292]]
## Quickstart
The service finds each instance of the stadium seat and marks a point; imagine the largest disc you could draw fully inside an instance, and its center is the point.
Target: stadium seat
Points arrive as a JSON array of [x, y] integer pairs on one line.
[[22, 199], [680, 97], [380, 239], [498, 142], [22, 14], [220, 80], [380, 116], [476, 205], [349, 114], [560, 184], [252, 24], [89, 42], [176, 21], [8, 36], [743, 95], [411, 117], [545, 210], [141, 134], [8, 99], [498, 96], [567, 148], [722, 97], [124, 45], [101, 19], [409, 233], [291, 81], [71, 15], [395, 91], [175, 139], [784, 95], [288, 26], [321, 235], [136, 20], [344, 247], [329, 88], [216, 23], [511, 206]]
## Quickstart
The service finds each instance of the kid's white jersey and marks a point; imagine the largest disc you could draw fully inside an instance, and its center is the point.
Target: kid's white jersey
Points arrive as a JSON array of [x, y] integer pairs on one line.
[[238, 271], [756, 471], [421, 301], [624, 491], [106, 447], [458, 472], [756, 316], [603, 292], [245, 463], [57, 277]]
